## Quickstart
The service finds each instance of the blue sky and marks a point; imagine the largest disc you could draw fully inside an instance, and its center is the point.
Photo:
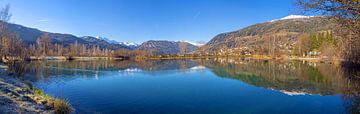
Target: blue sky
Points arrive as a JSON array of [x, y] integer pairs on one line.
[[142, 20]]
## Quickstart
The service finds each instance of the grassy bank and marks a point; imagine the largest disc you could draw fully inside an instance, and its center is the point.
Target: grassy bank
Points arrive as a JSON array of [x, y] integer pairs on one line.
[[60, 106]]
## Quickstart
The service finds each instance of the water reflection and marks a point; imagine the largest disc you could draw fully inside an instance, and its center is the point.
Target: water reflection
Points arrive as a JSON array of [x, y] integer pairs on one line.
[[38, 70], [295, 77], [288, 77], [324, 79]]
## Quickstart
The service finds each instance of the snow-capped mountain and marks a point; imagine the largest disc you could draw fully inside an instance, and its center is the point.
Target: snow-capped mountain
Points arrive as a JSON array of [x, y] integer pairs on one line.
[[102, 41], [128, 44], [107, 40], [292, 17]]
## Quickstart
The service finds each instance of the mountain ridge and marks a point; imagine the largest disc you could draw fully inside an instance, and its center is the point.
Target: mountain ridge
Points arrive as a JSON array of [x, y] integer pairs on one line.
[[254, 38], [166, 47], [30, 35]]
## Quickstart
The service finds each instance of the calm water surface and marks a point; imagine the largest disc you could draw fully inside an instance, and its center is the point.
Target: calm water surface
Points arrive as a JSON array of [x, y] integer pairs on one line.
[[196, 86]]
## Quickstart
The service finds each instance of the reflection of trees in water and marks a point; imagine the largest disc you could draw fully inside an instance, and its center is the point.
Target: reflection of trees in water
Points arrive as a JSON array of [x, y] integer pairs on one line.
[[289, 76], [44, 69], [352, 93], [151, 65], [313, 78]]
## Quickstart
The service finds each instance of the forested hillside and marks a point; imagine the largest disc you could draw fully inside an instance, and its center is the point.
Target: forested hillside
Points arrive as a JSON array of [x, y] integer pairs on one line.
[[297, 36]]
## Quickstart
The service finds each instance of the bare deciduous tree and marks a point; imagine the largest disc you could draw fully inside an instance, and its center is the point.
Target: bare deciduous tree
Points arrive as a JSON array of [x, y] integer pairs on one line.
[[183, 47], [5, 14], [304, 44], [346, 13], [44, 44]]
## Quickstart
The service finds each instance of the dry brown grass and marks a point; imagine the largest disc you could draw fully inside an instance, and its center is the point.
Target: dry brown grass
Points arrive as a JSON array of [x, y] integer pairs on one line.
[[62, 106]]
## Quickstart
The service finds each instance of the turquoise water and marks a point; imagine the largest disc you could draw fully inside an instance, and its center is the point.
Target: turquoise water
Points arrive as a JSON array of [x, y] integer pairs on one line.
[[196, 86]]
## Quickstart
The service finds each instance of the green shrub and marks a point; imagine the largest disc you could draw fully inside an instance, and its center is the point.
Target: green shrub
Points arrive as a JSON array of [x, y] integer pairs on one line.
[[38, 92], [60, 106]]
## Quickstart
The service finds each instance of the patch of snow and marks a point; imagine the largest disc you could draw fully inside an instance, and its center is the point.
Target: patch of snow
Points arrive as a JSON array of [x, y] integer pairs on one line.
[[116, 42], [192, 43], [129, 43], [292, 17], [97, 37]]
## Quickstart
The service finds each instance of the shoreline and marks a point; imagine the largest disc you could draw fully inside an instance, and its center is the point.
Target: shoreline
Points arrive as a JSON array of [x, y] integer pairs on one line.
[[75, 58], [62, 58], [16, 97], [19, 96], [255, 57], [176, 57]]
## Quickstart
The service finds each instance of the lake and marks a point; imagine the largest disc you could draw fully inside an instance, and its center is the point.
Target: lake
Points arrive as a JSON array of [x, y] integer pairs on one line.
[[197, 86]]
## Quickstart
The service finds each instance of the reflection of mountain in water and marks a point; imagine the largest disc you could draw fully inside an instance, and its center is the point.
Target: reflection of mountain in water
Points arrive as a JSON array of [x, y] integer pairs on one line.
[[293, 78], [47, 69]]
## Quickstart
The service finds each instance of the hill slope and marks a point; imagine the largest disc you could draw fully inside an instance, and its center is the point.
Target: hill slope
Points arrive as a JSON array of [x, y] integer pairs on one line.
[[30, 35], [278, 35]]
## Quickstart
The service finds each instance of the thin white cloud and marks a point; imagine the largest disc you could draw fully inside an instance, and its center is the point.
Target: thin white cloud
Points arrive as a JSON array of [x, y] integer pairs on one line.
[[43, 20], [196, 15]]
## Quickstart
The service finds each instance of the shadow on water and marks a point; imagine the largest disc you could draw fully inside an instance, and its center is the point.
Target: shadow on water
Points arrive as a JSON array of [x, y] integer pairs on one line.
[[289, 77]]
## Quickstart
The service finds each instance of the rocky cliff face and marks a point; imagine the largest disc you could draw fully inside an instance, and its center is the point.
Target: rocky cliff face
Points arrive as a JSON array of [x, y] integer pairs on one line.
[[277, 35]]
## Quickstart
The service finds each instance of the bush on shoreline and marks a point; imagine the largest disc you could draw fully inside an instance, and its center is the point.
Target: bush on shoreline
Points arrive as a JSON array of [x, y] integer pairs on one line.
[[60, 106]]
